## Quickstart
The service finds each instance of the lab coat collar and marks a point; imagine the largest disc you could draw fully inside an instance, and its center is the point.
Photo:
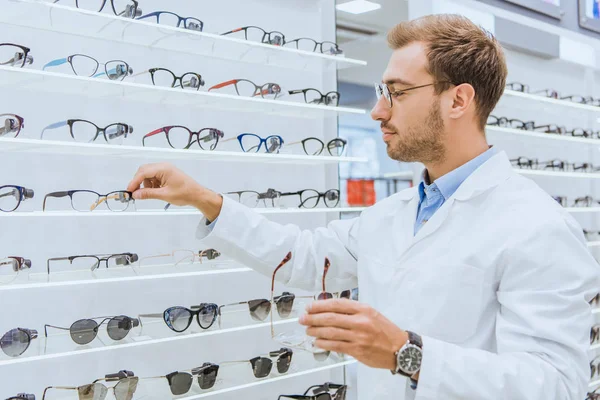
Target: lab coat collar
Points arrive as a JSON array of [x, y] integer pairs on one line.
[[491, 173]]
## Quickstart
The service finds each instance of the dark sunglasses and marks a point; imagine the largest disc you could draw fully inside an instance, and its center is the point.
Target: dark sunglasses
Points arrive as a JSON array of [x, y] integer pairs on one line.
[[12, 125], [261, 308], [123, 390], [180, 382], [181, 137], [179, 319], [11, 197], [320, 392], [83, 331], [16, 341], [314, 96], [256, 34]]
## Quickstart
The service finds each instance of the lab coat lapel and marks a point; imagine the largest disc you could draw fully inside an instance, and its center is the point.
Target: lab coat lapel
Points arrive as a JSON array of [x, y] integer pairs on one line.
[[404, 221]]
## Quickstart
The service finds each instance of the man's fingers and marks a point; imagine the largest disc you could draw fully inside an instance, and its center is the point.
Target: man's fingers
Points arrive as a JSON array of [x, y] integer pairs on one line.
[[329, 333], [342, 321], [147, 193], [147, 171], [339, 306], [333, 345]]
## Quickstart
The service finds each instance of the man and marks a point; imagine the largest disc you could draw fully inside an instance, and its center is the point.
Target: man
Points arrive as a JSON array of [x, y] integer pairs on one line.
[[475, 284]]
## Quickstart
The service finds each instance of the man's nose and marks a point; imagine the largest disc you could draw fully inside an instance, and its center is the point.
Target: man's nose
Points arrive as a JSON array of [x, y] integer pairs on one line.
[[381, 111]]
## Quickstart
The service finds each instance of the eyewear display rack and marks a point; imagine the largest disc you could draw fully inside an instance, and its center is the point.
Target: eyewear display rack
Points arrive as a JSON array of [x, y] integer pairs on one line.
[[35, 297]]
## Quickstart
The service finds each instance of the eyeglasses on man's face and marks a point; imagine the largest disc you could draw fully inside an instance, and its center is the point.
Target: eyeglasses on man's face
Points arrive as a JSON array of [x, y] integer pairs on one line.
[[383, 90]]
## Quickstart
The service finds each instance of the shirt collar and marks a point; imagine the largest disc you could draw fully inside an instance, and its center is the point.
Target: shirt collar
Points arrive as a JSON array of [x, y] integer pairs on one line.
[[449, 183]]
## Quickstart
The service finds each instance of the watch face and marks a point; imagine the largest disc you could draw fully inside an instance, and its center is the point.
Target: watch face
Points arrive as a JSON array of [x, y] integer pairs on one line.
[[409, 359]]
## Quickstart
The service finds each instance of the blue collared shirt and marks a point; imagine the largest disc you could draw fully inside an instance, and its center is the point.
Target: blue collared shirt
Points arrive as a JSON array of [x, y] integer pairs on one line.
[[431, 197]]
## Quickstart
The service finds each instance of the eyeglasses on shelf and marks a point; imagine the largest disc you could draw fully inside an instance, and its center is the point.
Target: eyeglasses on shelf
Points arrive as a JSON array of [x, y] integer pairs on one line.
[[309, 198], [121, 8], [251, 143], [247, 88], [313, 146], [84, 331], [11, 197], [308, 44], [172, 19], [93, 262], [15, 55], [181, 137], [11, 266], [84, 65], [257, 34], [179, 319], [12, 125], [314, 96], [16, 341], [167, 78], [88, 200], [326, 391], [85, 131]]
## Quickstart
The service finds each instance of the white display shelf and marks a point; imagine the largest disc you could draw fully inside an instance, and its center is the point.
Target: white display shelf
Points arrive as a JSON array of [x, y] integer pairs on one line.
[[595, 347], [44, 81], [230, 382], [596, 310], [554, 102], [593, 244], [61, 346], [558, 174], [38, 280], [22, 145], [594, 383], [582, 210], [543, 136], [48, 16], [171, 213]]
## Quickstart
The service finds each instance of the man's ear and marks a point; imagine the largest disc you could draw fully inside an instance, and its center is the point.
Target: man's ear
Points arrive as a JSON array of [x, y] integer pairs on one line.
[[462, 101]]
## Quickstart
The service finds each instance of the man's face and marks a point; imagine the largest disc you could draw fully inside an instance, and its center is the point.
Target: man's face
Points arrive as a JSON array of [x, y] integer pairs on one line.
[[413, 127]]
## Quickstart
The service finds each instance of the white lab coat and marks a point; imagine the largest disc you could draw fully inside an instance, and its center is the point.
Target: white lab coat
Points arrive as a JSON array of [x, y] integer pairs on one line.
[[497, 283]]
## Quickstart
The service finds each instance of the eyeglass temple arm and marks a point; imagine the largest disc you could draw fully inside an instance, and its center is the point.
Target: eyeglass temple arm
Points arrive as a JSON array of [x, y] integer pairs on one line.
[[55, 63], [55, 125], [154, 132], [152, 14], [151, 316], [223, 84], [297, 91], [53, 194], [295, 396], [55, 327], [59, 388], [233, 31]]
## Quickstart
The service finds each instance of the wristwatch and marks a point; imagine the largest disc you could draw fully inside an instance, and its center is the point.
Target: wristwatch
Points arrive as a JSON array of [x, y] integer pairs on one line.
[[409, 357]]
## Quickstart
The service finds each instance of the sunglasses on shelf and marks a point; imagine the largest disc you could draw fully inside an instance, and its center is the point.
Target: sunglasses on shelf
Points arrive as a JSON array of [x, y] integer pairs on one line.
[[16, 341], [247, 88], [84, 65], [84, 331], [10, 267], [93, 262], [298, 339], [179, 319], [326, 391], [251, 143], [12, 125], [308, 44], [313, 146], [15, 55], [260, 309], [22, 396], [11, 197], [121, 8], [172, 19], [88, 200], [256, 34], [85, 131], [180, 382], [124, 389], [181, 137], [314, 96]]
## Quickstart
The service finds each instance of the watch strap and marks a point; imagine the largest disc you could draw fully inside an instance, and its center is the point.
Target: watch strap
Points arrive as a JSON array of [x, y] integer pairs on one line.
[[415, 339]]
